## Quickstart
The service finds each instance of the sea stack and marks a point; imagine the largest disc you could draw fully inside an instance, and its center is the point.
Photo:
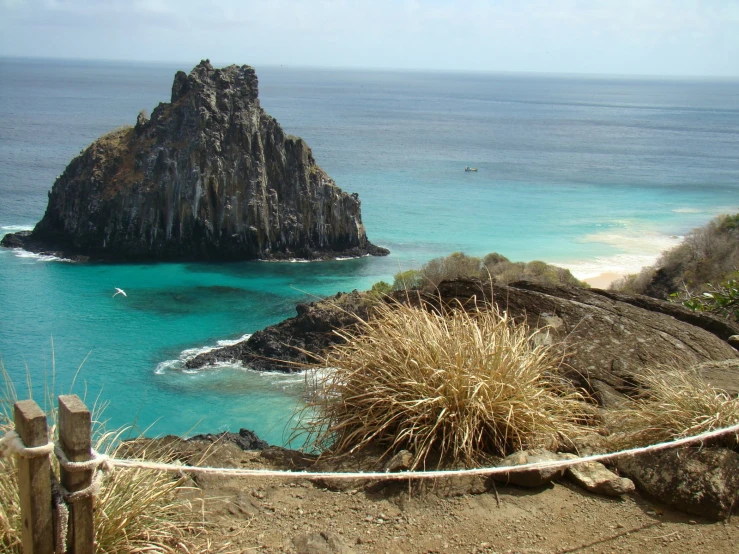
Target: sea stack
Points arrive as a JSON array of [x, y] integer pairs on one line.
[[210, 176]]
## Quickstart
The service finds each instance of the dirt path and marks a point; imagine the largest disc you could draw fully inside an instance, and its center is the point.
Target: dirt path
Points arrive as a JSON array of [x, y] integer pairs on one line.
[[457, 516]]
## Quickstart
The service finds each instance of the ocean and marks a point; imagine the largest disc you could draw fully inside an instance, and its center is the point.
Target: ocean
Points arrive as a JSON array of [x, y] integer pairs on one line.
[[595, 173]]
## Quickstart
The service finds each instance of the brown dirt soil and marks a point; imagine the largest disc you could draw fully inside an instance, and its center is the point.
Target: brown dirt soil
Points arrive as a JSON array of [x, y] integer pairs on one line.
[[462, 515]]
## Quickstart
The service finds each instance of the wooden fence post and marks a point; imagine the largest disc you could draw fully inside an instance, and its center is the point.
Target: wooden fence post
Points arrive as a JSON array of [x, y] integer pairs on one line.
[[34, 480], [75, 440]]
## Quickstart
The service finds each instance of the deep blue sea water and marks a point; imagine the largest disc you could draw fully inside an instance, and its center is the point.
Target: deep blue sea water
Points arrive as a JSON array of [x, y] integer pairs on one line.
[[594, 173]]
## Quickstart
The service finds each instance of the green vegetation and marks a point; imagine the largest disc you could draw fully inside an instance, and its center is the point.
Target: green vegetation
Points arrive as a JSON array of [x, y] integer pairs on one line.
[[496, 266], [709, 254], [381, 288], [449, 387], [675, 402], [721, 300]]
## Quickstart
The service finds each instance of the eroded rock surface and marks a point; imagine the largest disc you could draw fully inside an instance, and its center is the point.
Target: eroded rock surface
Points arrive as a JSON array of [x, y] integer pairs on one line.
[[285, 346], [607, 339], [210, 176], [696, 480]]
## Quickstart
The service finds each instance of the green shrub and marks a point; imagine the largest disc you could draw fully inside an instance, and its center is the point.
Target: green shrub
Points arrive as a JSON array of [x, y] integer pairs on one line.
[[381, 288], [709, 254], [721, 300], [407, 280], [496, 266]]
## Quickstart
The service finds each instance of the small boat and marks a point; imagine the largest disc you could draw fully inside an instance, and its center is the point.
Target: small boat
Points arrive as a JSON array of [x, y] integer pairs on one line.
[[468, 168]]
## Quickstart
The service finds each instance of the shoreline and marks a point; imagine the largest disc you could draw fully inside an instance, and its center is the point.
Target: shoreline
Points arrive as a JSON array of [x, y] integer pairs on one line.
[[604, 280]]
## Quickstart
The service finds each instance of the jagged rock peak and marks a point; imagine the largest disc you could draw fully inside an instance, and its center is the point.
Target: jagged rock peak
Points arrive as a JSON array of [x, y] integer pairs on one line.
[[238, 79], [209, 176]]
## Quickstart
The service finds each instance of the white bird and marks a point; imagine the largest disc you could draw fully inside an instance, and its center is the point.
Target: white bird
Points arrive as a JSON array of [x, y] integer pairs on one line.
[[119, 291]]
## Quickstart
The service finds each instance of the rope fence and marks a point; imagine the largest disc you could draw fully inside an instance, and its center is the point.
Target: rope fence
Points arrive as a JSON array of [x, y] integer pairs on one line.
[[434, 474], [70, 527]]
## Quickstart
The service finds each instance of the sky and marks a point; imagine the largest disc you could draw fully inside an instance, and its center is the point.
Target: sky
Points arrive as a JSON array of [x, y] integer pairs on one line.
[[627, 37]]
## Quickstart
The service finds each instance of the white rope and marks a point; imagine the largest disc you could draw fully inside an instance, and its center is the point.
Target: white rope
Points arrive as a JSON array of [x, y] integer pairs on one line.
[[404, 475], [99, 463], [92, 490], [11, 443], [96, 461]]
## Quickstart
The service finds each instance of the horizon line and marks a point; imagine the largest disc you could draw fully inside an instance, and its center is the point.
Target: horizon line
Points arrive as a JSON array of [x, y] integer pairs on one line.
[[378, 69]]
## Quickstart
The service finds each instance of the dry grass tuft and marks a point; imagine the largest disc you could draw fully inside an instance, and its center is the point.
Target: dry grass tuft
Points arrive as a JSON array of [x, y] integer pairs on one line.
[[10, 511], [136, 511], [676, 402], [453, 387], [140, 510]]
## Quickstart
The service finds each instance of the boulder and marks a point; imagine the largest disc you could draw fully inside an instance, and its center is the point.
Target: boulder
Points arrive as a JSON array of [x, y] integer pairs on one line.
[[531, 478], [700, 481], [597, 478]]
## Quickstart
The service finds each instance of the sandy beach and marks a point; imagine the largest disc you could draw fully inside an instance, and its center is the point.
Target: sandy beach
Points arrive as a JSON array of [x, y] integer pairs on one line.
[[604, 280]]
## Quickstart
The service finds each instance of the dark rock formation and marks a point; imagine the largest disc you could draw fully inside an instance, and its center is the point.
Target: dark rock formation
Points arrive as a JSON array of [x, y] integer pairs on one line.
[[210, 176], [607, 338], [244, 439], [696, 480], [284, 347]]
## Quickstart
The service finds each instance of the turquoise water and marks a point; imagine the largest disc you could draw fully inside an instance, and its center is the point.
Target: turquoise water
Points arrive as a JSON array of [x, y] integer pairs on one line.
[[597, 174]]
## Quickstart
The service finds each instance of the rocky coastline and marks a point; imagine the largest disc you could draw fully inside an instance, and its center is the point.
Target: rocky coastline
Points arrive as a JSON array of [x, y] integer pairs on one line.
[[210, 176], [606, 340], [606, 337]]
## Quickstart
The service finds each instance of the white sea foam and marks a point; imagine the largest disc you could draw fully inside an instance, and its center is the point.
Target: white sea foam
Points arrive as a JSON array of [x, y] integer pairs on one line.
[[191, 353], [639, 248], [305, 261], [622, 264], [16, 228], [638, 242], [20, 253], [688, 211]]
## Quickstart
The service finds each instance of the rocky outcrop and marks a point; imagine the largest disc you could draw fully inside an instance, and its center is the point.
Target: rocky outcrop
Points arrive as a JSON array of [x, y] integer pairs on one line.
[[288, 345], [606, 338], [210, 176], [696, 480], [244, 439]]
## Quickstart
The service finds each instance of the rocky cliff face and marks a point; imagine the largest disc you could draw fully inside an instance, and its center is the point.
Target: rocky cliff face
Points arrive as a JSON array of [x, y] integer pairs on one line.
[[210, 176], [607, 338]]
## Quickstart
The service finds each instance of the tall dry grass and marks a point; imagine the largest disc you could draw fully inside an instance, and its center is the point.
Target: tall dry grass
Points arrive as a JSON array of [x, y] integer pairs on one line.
[[675, 402], [136, 511], [450, 387]]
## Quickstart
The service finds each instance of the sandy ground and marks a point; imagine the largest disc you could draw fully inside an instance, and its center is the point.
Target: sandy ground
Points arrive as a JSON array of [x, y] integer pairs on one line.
[[468, 515], [604, 280]]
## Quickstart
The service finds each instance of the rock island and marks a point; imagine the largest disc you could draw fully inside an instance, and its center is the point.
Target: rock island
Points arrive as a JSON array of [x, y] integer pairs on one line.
[[210, 176]]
